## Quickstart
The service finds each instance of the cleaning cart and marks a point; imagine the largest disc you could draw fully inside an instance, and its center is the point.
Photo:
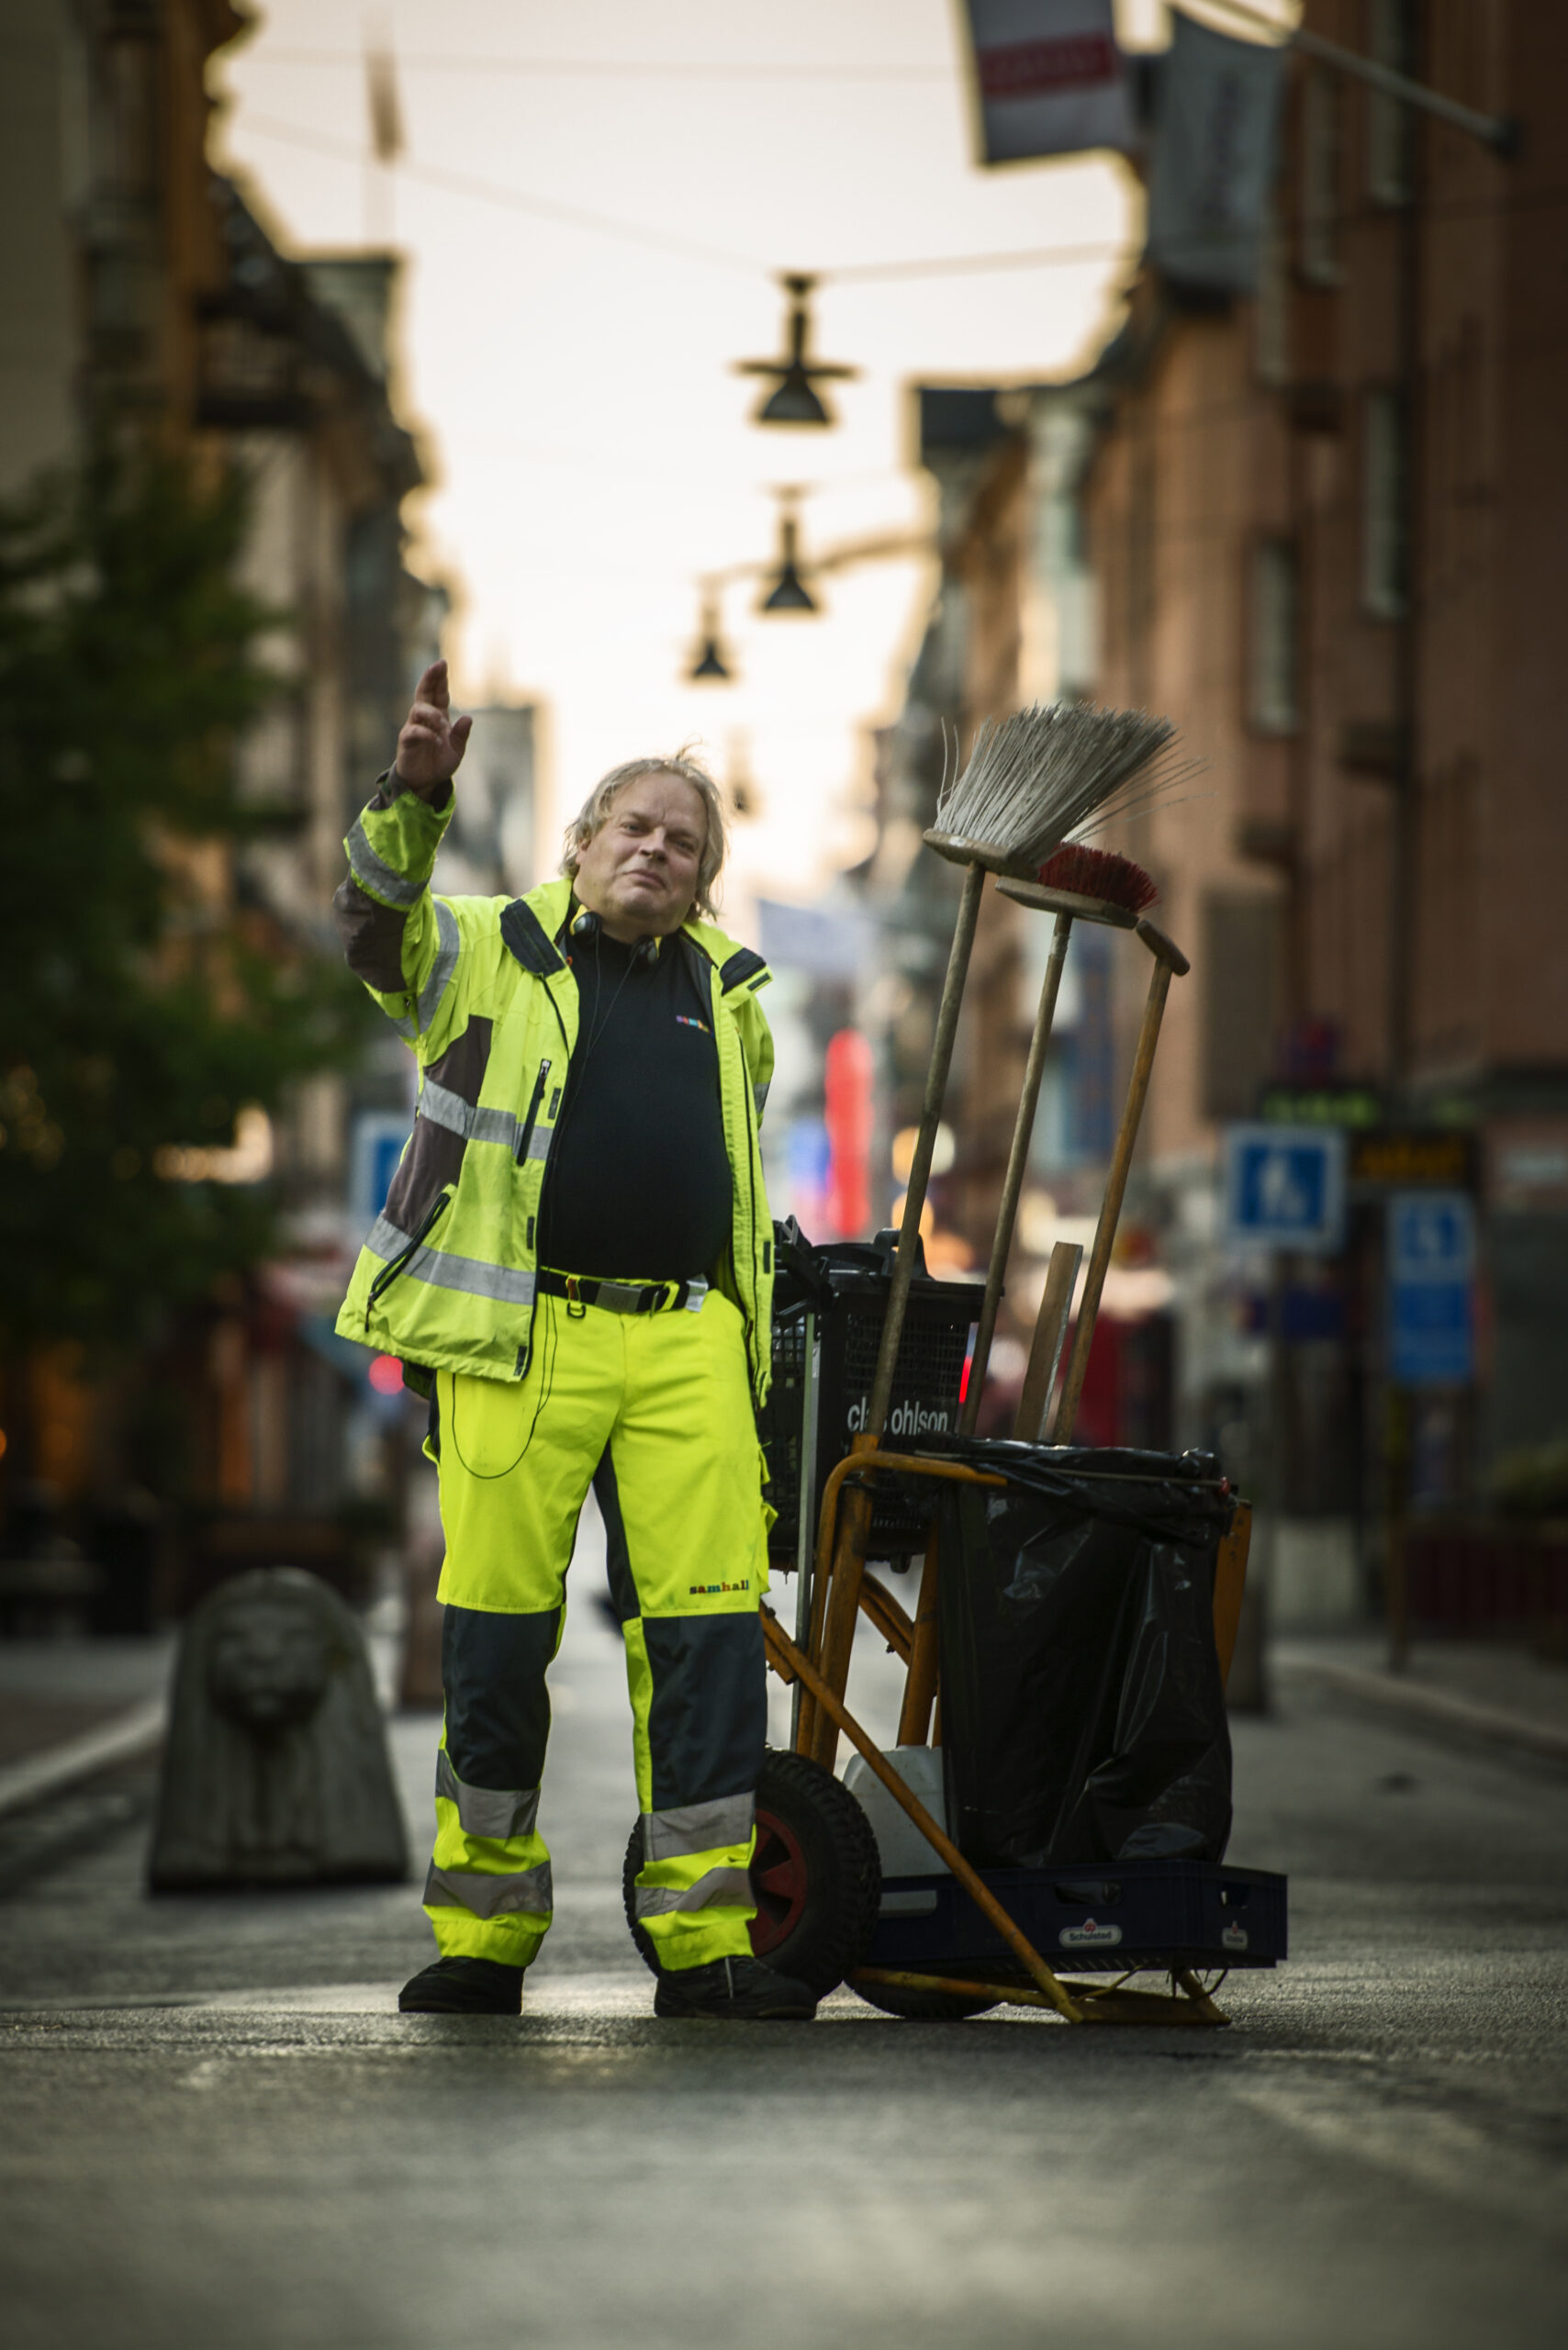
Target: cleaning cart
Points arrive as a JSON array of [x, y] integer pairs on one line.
[[1063, 1828]]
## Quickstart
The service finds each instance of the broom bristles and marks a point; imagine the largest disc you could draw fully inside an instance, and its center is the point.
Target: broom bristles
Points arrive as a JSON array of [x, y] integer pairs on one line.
[[1100, 873], [1034, 778]]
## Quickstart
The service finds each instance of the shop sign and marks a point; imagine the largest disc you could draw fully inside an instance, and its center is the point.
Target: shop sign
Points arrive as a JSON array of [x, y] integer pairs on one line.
[[1406, 1157]]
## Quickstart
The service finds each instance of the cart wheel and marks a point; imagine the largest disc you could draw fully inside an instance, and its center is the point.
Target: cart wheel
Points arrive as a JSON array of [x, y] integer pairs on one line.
[[815, 1875], [923, 2006]]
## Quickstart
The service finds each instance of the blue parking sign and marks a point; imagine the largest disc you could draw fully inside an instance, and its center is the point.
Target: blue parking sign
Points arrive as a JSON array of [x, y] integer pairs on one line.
[[1431, 1268], [1284, 1186]]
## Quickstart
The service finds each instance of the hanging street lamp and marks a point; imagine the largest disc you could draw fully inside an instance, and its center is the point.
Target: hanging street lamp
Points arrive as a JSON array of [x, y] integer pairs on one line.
[[788, 591], [709, 667], [794, 399]]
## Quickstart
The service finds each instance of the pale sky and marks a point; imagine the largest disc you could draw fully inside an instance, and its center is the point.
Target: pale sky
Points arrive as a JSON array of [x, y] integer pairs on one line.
[[590, 449]]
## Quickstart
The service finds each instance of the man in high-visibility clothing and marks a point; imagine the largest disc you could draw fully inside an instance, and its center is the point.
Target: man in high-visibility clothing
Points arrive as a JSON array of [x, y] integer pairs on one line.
[[575, 1255]]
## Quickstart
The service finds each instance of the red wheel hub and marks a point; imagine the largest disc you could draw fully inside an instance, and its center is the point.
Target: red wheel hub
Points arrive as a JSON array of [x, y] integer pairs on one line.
[[778, 1884]]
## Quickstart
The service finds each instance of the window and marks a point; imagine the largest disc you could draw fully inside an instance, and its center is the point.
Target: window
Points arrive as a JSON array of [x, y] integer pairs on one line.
[[1273, 697], [1386, 507], [1391, 124], [1320, 177]]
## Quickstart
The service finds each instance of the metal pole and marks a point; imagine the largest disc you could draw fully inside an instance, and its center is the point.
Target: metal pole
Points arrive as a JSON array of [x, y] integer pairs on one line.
[[806, 1527], [920, 1682], [1013, 1182], [1395, 1573], [1498, 132]]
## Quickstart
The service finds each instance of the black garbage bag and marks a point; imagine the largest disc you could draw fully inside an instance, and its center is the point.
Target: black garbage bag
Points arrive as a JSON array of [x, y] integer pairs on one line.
[[1082, 1710]]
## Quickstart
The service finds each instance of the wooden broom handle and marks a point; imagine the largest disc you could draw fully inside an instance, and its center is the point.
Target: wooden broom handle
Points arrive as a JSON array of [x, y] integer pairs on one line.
[[1169, 962]]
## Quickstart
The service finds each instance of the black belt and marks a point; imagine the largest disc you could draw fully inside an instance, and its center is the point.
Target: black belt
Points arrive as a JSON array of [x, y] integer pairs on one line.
[[624, 1297]]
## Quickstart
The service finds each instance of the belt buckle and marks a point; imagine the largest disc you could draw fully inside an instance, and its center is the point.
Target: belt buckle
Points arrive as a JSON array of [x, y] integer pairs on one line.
[[577, 1310]]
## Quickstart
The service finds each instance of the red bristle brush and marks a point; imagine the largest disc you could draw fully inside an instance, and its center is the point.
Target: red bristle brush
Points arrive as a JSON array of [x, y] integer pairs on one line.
[[1099, 873]]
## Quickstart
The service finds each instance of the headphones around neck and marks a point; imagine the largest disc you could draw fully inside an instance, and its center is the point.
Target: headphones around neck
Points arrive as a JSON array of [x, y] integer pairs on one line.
[[587, 925]]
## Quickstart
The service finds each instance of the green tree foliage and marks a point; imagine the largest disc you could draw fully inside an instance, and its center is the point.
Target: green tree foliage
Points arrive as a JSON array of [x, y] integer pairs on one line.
[[139, 1014]]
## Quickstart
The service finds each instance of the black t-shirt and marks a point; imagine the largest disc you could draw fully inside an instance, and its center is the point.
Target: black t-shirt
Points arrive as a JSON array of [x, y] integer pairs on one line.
[[638, 1182]]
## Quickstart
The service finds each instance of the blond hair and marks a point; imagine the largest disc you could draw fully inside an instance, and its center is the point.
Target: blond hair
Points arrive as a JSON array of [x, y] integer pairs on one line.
[[596, 809]]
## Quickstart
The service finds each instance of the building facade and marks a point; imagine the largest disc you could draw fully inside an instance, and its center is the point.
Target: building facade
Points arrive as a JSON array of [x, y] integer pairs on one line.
[[1315, 527], [146, 301]]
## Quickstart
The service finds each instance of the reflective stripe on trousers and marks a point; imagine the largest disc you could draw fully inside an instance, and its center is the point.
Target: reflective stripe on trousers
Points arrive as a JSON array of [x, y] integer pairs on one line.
[[500, 1812], [697, 1827], [723, 1888], [489, 1892], [696, 1856], [484, 1895]]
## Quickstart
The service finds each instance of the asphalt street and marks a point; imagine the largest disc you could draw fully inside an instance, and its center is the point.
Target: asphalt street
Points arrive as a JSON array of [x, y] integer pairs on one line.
[[217, 2129]]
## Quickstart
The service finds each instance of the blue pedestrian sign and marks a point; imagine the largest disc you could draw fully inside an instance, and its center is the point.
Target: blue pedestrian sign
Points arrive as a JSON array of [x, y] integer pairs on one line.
[[1431, 1272], [1285, 1187]]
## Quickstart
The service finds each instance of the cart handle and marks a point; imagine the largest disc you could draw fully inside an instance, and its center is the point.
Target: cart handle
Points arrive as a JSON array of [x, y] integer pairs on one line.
[[866, 1453], [869, 1456]]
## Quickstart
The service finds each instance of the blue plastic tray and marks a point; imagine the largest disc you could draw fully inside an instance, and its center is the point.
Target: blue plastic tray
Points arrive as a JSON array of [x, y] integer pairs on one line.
[[1095, 1917]]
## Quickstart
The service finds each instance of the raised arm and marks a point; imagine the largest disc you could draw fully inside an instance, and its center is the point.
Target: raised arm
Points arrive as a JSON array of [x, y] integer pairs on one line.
[[402, 943]]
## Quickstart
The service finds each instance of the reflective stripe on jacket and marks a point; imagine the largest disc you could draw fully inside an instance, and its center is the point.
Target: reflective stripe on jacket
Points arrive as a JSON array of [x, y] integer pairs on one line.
[[480, 990]]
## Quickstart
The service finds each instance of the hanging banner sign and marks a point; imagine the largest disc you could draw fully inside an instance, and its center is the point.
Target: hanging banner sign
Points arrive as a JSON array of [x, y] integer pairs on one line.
[[1049, 78], [1214, 157]]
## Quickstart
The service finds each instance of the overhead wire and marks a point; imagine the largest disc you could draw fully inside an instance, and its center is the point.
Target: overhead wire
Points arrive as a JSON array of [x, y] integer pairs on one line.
[[845, 273], [513, 199]]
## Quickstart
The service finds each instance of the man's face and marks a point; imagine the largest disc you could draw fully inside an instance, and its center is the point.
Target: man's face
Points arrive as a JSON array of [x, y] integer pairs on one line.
[[639, 871]]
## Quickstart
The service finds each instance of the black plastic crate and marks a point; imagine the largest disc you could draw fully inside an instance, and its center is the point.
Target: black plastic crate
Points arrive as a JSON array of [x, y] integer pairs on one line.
[[846, 1305], [1088, 1918]]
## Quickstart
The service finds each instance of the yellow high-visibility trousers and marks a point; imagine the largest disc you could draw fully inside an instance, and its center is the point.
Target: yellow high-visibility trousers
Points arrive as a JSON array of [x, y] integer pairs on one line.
[[654, 1411]]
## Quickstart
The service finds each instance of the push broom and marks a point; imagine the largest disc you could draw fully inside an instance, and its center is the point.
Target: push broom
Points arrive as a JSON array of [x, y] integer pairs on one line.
[[1030, 781]]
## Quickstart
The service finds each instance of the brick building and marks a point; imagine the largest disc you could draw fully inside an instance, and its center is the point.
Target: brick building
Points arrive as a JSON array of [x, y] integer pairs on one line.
[[1318, 528], [145, 298]]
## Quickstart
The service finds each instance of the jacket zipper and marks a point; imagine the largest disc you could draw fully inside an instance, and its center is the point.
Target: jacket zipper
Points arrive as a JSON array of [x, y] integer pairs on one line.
[[749, 1107], [389, 1273], [526, 1137]]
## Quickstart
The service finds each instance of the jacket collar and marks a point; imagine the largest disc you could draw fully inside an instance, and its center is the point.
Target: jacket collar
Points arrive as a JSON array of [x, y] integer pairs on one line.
[[529, 927]]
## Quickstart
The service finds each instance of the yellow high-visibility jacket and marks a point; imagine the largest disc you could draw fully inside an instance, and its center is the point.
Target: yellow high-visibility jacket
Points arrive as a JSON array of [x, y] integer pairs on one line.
[[480, 990]]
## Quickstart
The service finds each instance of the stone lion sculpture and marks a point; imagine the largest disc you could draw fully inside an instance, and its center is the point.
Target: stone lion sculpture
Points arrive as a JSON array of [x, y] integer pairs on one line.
[[275, 1769]]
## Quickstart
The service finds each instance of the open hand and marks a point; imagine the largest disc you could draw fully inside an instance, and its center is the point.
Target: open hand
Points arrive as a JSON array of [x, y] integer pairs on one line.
[[430, 746]]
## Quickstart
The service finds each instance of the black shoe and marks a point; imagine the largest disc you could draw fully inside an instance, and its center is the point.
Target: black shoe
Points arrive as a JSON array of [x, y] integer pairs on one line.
[[734, 1990], [463, 1987]]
